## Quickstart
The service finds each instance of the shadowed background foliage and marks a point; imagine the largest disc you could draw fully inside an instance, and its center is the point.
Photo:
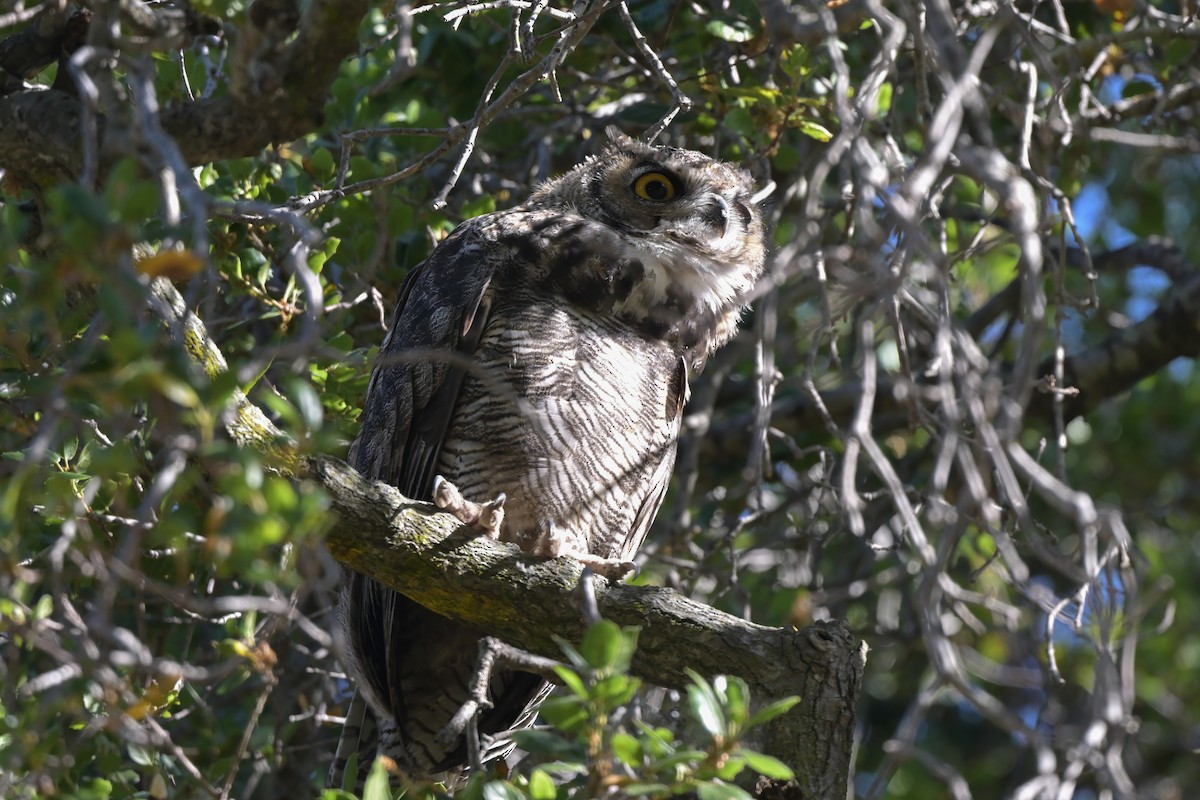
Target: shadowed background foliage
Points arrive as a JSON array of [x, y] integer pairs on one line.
[[982, 227]]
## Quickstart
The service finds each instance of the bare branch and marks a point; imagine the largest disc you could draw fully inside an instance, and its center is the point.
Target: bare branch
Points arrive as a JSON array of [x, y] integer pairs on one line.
[[428, 555]]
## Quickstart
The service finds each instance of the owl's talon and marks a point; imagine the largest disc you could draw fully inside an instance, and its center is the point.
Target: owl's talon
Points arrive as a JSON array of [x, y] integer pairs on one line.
[[491, 515], [614, 569], [484, 517], [553, 541], [446, 495]]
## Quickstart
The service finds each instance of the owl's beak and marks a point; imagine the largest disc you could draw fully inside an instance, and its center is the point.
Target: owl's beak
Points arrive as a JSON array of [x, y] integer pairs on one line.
[[716, 213]]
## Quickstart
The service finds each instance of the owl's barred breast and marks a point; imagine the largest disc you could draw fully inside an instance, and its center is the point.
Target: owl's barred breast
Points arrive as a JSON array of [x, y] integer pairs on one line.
[[542, 352], [570, 415]]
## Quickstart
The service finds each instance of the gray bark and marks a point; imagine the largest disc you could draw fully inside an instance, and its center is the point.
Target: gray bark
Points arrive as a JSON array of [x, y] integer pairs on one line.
[[429, 556]]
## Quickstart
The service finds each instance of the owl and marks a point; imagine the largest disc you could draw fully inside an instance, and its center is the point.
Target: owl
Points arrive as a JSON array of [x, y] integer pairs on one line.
[[532, 384]]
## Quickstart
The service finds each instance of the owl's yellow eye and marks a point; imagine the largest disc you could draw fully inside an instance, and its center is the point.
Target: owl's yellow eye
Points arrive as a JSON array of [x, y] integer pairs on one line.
[[655, 186]]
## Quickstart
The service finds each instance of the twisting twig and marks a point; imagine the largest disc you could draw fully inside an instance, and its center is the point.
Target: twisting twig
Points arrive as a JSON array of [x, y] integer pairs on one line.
[[493, 654], [405, 60], [247, 732], [535, 11], [679, 101], [439, 202], [89, 97], [570, 37], [587, 597]]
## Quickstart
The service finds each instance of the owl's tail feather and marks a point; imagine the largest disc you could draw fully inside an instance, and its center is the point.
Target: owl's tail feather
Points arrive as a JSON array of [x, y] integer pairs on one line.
[[360, 737]]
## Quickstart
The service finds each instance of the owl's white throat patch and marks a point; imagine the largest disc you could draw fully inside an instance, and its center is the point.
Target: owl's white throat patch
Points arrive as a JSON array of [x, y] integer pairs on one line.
[[674, 271]]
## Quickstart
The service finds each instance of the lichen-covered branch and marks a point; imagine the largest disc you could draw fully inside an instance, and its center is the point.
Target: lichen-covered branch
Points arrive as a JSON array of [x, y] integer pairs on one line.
[[431, 557], [244, 421], [284, 63], [427, 555]]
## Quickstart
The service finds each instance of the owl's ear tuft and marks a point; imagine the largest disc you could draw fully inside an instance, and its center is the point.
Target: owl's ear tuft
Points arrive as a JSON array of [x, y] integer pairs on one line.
[[617, 136], [619, 142]]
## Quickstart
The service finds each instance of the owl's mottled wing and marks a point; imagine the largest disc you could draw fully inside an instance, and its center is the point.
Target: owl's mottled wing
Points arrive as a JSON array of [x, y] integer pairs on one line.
[[441, 311], [440, 314]]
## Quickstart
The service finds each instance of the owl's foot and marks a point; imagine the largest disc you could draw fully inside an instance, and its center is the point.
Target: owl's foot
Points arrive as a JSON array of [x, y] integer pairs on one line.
[[553, 541], [612, 568], [484, 517]]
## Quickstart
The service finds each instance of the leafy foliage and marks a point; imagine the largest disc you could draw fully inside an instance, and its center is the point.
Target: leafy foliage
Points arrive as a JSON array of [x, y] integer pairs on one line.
[[163, 593], [586, 752]]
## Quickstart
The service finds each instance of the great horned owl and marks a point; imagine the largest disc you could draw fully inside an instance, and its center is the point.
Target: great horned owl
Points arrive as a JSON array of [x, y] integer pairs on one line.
[[572, 320]]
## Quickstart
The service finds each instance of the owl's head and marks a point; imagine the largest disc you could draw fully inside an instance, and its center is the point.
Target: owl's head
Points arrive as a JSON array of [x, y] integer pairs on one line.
[[688, 221]]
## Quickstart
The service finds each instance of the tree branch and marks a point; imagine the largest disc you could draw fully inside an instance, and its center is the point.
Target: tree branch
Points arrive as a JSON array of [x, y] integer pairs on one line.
[[278, 90], [1129, 356], [282, 66], [24, 54], [1091, 376], [430, 556]]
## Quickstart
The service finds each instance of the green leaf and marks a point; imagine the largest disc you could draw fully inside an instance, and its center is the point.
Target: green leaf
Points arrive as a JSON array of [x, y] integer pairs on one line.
[[767, 765], [140, 756], [734, 695], [729, 33], [705, 708], [44, 607], [307, 402], [574, 656], [657, 742], [98, 789], [776, 709], [565, 770], [616, 690], [741, 121], [883, 100], [547, 743], [606, 646], [499, 790], [178, 392], [627, 748], [484, 204], [638, 789], [1136, 87], [541, 786], [376, 786], [720, 791], [565, 713], [793, 60], [731, 767], [572, 681], [474, 788], [349, 777], [813, 130], [322, 164]]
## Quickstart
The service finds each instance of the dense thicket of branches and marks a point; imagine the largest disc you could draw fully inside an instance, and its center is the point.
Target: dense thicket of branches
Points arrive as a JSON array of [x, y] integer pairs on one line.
[[960, 417]]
